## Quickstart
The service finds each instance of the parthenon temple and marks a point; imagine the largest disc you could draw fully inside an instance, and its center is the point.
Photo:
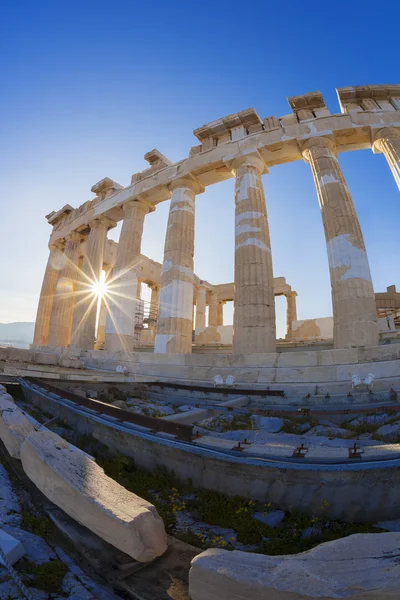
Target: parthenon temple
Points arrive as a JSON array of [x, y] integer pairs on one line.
[[244, 147]]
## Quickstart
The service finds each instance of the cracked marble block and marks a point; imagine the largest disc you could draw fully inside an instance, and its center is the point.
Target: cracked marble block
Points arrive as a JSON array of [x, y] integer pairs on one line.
[[74, 482]]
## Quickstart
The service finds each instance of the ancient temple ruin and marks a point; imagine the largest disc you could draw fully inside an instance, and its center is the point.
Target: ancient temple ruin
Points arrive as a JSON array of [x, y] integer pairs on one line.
[[241, 146]]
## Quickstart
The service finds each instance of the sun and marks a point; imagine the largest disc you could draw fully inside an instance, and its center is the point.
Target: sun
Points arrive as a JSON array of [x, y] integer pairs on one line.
[[100, 286]]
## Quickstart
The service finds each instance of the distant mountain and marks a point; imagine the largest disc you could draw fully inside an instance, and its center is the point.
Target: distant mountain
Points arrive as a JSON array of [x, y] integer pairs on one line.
[[18, 334]]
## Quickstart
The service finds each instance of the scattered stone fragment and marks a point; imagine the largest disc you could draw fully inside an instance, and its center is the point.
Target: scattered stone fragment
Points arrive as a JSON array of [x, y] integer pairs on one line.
[[272, 519], [270, 424], [358, 566], [303, 427], [75, 483], [120, 404], [337, 432], [389, 431], [389, 525], [311, 532], [12, 548]]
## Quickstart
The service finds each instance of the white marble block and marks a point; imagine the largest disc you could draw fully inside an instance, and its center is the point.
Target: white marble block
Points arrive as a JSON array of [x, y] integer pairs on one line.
[[358, 567], [12, 548], [14, 426], [74, 482]]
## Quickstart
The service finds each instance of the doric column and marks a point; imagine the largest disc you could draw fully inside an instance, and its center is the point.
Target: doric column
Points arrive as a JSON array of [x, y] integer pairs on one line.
[[291, 313], [254, 317], [101, 325], [84, 320], [353, 300], [155, 292], [220, 314], [122, 290], [51, 275], [175, 308], [201, 300], [387, 141], [213, 310], [64, 299]]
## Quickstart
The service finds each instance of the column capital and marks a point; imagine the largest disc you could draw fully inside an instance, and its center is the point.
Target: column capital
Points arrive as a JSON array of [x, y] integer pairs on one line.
[[74, 236], [246, 159], [186, 182], [201, 288], [377, 137], [57, 245], [102, 221], [317, 142], [291, 294], [135, 202]]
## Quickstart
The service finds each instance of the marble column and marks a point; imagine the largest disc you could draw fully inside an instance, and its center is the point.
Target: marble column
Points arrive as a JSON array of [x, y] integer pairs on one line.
[[51, 275], [123, 286], [291, 313], [387, 141], [101, 325], [213, 310], [85, 313], [175, 307], [353, 299], [64, 298], [220, 314], [201, 300], [254, 315], [155, 292]]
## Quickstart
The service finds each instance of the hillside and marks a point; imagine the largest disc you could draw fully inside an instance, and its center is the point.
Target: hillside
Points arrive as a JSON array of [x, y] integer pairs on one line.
[[19, 334]]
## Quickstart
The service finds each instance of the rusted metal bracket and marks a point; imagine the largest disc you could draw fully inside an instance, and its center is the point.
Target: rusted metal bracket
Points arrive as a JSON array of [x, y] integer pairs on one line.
[[238, 448], [300, 452], [303, 411], [355, 451]]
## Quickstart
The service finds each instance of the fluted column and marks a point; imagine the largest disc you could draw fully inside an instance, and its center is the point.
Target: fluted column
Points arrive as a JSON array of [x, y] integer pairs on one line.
[[84, 320], [213, 310], [201, 299], [291, 313], [122, 290], [155, 292], [64, 298], [220, 314], [175, 308], [254, 316], [51, 275], [353, 300], [387, 141], [101, 324]]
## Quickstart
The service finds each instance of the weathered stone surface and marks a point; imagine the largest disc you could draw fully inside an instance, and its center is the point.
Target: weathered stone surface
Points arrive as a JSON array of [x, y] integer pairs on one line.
[[389, 431], [360, 567], [14, 426], [75, 483], [338, 432], [270, 424], [12, 548]]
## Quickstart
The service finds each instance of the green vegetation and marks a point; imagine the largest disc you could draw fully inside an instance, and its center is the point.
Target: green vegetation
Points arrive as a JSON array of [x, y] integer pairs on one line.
[[291, 424], [41, 526], [47, 577], [169, 496]]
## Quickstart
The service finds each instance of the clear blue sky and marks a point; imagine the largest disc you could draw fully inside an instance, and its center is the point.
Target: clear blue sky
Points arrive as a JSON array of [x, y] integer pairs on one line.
[[88, 87]]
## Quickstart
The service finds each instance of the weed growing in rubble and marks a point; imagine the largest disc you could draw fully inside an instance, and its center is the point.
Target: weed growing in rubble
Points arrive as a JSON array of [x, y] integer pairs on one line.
[[169, 495], [47, 577], [41, 526]]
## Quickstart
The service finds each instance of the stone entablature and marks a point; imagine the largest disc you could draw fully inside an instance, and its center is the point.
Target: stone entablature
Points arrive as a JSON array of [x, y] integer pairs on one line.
[[244, 147], [281, 144]]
